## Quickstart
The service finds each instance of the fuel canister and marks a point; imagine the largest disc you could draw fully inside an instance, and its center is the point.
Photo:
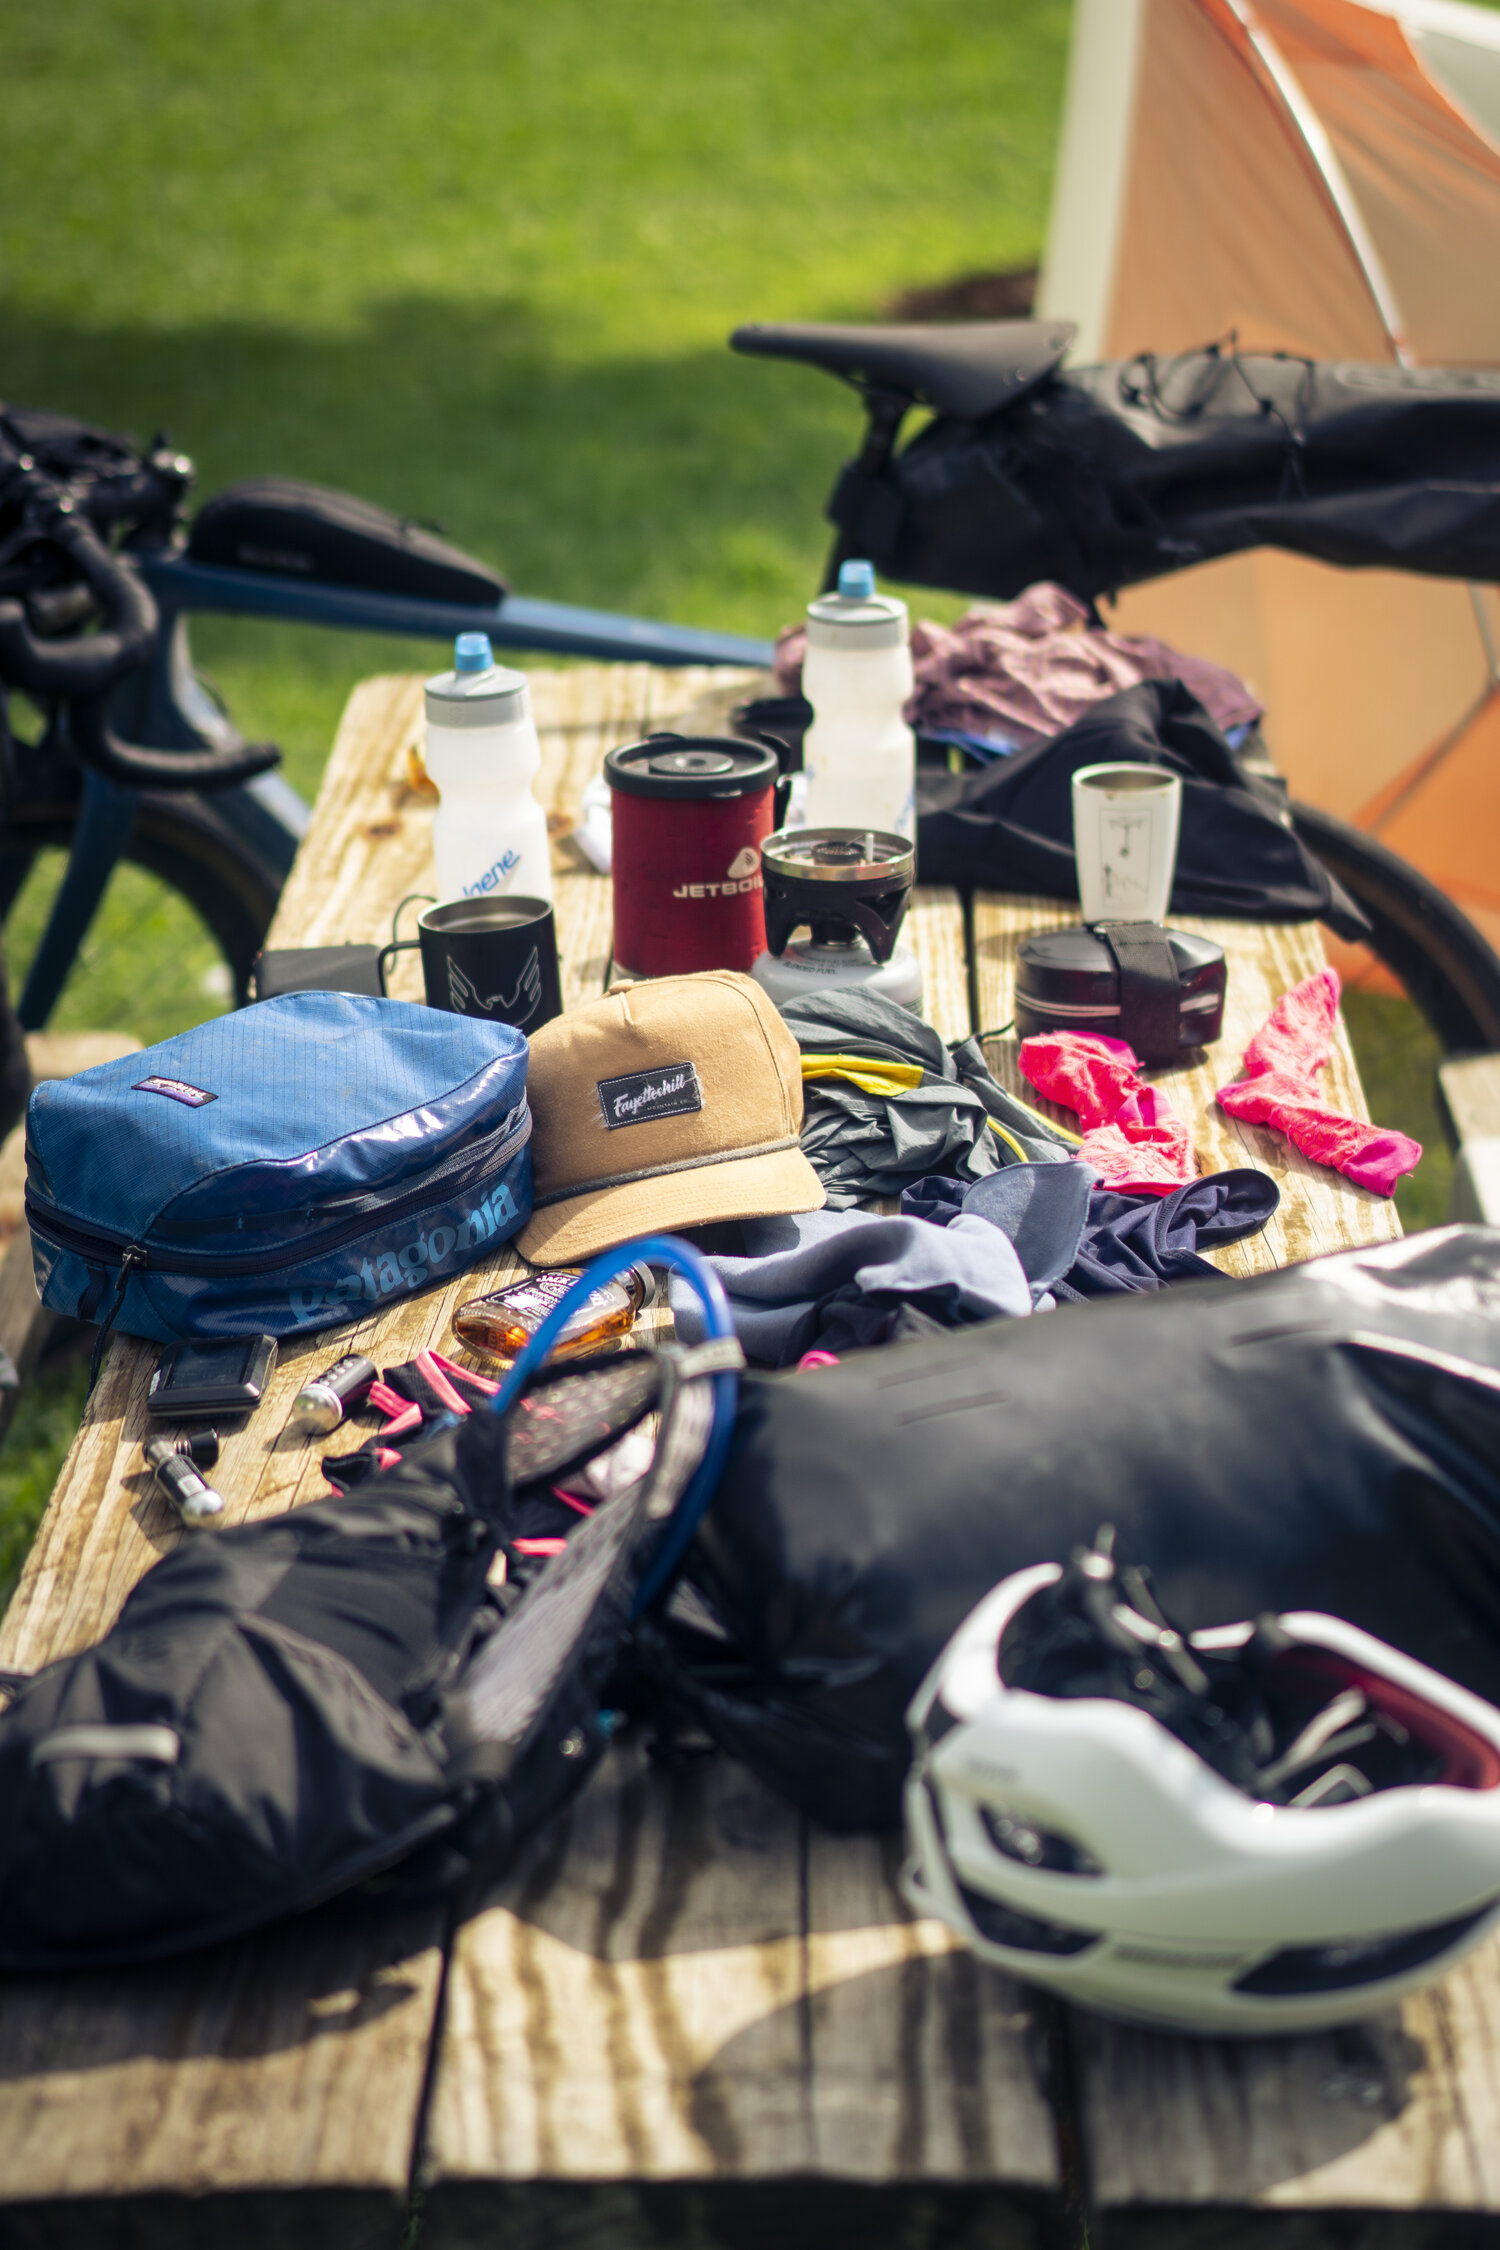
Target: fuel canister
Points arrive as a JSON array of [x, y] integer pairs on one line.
[[690, 813]]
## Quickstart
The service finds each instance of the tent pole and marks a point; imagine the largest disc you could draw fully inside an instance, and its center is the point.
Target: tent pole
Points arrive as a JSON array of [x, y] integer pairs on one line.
[[1093, 164], [1486, 632], [1320, 148]]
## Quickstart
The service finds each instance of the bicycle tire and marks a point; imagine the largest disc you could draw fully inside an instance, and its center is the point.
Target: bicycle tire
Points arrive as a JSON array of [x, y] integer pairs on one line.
[[1447, 966], [184, 842]]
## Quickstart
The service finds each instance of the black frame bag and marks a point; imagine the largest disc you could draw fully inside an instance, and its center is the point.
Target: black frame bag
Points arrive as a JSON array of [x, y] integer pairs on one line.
[[288, 1708]]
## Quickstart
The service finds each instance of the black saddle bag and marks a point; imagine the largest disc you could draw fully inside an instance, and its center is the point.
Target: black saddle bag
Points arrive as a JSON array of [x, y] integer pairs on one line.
[[289, 1708], [1327, 1438]]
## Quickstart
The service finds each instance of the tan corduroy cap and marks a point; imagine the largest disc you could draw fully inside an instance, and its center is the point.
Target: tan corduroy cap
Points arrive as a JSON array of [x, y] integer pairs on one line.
[[663, 1105]]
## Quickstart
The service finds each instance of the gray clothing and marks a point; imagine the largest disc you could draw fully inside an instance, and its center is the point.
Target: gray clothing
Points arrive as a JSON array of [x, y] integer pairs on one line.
[[867, 1145], [794, 1264]]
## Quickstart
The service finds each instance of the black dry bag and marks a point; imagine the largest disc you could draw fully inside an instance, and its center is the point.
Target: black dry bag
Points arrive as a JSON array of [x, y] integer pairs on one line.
[[1326, 1437]]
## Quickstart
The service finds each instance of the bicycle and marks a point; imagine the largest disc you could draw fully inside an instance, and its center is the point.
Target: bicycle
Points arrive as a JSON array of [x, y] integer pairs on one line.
[[99, 573], [180, 792]]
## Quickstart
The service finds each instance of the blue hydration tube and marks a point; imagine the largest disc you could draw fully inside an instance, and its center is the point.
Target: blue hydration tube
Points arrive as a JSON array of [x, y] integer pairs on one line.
[[680, 1257]]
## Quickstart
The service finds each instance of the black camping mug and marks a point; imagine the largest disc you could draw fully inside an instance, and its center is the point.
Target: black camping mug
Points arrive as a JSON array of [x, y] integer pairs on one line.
[[489, 957]]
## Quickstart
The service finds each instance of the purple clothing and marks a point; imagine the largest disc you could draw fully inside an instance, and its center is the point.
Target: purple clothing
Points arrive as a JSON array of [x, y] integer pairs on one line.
[[1021, 671]]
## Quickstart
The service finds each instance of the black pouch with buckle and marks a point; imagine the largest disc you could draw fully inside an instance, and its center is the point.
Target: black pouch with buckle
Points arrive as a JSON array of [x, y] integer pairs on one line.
[[1162, 991]]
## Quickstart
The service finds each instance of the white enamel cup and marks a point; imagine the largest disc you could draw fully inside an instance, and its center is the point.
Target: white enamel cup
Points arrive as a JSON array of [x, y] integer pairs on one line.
[[1125, 823]]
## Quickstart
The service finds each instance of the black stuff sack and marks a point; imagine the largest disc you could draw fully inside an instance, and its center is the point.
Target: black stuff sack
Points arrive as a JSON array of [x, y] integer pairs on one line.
[[1326, 1437], [1010, 827], [289, 1708]]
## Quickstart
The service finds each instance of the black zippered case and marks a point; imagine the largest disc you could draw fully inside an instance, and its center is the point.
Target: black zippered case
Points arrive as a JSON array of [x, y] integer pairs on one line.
[[278, 1170]]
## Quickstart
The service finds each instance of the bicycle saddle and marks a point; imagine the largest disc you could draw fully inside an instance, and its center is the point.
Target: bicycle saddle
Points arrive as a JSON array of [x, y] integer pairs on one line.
[[967, 370]]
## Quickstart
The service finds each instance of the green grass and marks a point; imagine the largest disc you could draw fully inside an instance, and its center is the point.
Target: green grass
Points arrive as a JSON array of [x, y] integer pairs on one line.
[[1398, 1058], [479, 264], [38, 1438]]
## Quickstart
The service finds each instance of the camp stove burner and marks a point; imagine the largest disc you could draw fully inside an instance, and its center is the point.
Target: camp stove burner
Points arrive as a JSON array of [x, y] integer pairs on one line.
[[851, 887], [842, 882]]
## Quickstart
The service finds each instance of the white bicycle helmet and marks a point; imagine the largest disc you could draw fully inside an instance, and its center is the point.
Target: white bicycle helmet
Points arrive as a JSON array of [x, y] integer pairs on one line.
[[1269, 1826]]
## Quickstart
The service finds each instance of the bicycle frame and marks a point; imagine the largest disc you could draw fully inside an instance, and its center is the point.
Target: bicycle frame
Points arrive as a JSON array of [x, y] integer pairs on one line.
[[551, 628], [166, 707]]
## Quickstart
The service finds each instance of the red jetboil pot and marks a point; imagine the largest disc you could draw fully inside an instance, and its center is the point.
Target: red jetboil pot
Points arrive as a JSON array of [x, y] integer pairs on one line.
[[690, 813]]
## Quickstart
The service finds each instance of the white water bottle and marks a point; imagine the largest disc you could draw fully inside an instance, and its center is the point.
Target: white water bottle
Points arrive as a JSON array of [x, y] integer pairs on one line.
[[489, 834], [859, 754]]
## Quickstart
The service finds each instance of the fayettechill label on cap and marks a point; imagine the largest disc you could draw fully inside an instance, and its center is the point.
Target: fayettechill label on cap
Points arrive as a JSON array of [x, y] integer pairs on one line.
[[645, 1094], [175, 1089]]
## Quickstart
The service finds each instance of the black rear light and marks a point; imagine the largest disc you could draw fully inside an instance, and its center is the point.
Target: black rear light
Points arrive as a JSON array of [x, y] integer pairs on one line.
[[1348, 1962]]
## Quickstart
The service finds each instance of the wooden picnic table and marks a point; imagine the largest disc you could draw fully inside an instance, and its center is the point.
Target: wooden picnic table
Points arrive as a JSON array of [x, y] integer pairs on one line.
[[686, 2014]]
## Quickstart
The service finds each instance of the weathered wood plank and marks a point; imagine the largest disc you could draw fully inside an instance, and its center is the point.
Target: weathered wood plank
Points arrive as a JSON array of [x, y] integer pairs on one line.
[[935, 932], [1401, 2114], [263, 2065], [626, 2007], [1320, 1211], [681, 1986], [1470, 1086], [297, 2061], [921, 2062]]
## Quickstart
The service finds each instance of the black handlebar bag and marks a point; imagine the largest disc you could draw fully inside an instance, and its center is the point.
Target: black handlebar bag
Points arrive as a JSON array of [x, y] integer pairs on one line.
[[1326, 1437], [383, 1681]]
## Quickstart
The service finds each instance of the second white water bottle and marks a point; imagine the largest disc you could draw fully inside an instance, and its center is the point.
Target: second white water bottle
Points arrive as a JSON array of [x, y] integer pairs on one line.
[[489, 835], [859, 754]]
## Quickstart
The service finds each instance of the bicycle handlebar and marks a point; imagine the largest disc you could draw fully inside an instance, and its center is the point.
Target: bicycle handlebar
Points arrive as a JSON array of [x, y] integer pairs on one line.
[[97, 662], [133, 766], [81, 672]]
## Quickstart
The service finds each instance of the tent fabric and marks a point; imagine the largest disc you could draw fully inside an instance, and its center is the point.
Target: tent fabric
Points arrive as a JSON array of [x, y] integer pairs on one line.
[[1427, 183], [1220, 189], [1223, 185], [1379, 686]]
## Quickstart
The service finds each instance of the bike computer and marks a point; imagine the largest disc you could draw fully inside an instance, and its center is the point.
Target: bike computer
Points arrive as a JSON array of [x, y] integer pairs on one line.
[[211, 1378]]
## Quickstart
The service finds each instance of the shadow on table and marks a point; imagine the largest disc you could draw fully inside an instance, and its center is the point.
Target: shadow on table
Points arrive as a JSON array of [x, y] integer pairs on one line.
[[327, 1972], [653, 1865]]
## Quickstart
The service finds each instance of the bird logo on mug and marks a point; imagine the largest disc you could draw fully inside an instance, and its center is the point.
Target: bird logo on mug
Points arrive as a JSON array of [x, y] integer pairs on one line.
[[466, 1000]]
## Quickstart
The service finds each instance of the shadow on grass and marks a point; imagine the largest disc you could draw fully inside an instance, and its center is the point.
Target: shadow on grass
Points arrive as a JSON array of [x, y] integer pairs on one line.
[[681, 483], [50, 1410]]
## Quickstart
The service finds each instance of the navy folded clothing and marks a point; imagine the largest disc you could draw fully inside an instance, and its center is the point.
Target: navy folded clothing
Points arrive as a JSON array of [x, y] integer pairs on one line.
[[1074, 1244]]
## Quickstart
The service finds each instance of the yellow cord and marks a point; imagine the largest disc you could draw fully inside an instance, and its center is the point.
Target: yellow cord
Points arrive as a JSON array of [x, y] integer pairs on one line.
[[868, 1072], [1047, 1125], [872, 1075], [1011, 1143]]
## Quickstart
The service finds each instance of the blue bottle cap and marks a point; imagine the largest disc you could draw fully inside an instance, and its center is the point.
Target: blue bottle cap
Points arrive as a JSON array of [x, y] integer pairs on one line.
[[856, 581], [472, 651]]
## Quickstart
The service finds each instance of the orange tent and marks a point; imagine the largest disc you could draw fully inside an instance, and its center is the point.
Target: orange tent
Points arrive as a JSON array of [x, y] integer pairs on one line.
[[1319, 177]]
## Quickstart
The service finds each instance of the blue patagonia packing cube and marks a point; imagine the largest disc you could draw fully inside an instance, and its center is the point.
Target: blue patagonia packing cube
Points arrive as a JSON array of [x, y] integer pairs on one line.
[[278, 1170]]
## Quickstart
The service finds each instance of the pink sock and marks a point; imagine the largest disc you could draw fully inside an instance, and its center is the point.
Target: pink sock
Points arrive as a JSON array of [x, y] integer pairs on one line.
[[1283, 1061], [1131, 1134]]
